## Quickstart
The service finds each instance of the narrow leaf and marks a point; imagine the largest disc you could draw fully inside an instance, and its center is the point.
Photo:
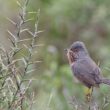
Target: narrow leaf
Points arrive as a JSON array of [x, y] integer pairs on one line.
[[28, 20], [12, 41], [19, 4], [30, 33], [24, 40], [32, 12], [12, 35], [11, 21], [23, 30], [30, 71]]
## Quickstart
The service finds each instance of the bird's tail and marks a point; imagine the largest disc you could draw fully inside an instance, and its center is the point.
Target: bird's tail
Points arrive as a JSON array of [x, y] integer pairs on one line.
[[106, 81]]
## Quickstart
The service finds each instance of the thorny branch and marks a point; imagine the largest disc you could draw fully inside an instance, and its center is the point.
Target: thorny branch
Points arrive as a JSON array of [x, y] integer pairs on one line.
[[12, 75]]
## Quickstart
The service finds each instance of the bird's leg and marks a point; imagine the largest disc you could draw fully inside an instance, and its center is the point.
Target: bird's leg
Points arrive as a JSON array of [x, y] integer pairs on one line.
[[89, 94]]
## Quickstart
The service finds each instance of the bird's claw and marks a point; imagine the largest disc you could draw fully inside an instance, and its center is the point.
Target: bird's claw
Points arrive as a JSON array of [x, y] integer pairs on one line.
[[89, 94], [88, 97]]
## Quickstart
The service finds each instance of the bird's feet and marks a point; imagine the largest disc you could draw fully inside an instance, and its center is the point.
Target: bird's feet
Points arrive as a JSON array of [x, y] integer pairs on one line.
[[89, 94]]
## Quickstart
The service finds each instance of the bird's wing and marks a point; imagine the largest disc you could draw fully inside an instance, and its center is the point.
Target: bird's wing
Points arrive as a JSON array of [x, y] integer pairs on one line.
[[87, 72]]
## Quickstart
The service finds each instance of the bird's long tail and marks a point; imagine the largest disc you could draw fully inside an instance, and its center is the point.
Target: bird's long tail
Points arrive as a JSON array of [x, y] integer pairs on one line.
[[106, 81]]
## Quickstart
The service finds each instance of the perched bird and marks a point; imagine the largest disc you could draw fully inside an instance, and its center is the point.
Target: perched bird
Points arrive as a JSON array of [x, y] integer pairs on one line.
[[84, 68]]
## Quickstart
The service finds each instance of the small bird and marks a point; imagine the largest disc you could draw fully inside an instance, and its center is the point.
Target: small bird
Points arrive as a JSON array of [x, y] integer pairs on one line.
[[84, 68]]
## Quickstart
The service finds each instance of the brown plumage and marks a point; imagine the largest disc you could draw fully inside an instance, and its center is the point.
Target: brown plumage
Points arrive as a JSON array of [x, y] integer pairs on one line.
[[83, 67]]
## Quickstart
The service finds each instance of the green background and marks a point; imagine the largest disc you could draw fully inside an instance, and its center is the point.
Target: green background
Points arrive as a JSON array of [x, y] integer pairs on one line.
[[63, 22]]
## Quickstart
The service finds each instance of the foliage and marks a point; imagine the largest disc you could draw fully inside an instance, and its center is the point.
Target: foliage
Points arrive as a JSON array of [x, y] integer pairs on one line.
[[63, 22], [17, 63]]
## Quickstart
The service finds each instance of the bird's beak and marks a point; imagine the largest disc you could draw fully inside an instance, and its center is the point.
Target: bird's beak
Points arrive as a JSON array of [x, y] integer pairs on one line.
[[66, 50], [69, 53]]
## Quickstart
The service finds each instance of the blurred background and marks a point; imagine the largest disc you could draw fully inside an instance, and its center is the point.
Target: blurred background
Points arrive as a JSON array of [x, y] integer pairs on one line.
[[63, 22]]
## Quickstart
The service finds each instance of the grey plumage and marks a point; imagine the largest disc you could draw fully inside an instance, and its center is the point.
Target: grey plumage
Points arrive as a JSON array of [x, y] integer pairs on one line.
[[87, 72], [84, 68]]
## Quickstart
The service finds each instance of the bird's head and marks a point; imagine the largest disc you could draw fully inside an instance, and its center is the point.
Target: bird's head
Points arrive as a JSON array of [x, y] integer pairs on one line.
[[76, 51]]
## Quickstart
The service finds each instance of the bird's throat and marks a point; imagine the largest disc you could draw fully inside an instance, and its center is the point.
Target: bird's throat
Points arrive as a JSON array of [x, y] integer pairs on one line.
[[71, 57]]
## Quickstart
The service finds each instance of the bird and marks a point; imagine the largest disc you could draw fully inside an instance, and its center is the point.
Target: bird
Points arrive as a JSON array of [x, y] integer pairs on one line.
[[84, 67]]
